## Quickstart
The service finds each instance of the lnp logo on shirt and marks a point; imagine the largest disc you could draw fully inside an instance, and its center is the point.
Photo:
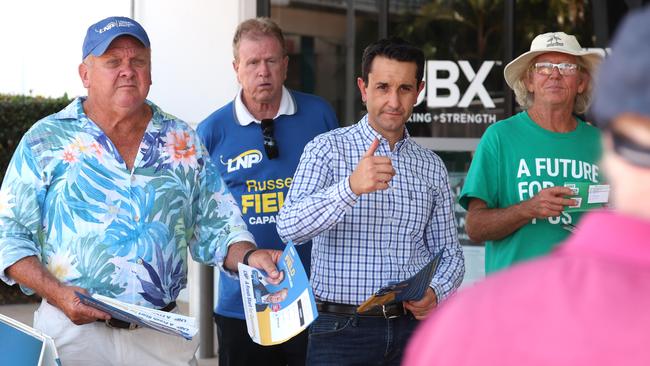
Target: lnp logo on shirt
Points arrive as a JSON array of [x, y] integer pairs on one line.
[[244, 160]]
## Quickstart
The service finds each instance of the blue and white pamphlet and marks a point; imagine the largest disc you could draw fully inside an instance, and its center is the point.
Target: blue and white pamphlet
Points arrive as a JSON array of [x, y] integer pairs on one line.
[[410, 289], [276, 313], [22, 345], [162, 321]]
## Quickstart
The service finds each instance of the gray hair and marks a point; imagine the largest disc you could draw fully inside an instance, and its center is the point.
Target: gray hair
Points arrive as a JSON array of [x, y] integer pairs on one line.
[[256, 28], [525, 98], [90, 59]]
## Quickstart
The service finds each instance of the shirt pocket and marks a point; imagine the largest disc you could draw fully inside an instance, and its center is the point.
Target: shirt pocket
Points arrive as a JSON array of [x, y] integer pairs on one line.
[[414, 205]]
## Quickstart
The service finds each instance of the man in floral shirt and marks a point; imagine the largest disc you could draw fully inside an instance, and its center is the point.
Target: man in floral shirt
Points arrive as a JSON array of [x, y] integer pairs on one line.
[[105, 197]]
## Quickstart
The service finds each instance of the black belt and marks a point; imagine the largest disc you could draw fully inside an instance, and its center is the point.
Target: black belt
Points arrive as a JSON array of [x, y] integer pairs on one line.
[[121, 324], [388, 311]]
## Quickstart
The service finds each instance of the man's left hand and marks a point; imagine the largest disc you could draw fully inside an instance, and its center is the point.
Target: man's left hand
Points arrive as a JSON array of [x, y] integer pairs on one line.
[[421, 308], [266, 259]]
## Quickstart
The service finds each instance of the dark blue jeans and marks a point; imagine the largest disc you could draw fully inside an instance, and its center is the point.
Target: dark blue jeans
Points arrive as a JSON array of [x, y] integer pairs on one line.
[[358, 340]]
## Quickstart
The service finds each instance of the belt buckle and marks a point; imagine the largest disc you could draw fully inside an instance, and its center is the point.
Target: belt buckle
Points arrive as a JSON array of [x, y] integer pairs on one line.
[[386, 316], [132, 326]]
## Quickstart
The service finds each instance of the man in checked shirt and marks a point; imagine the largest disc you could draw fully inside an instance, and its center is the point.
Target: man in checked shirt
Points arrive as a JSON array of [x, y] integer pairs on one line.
[[378, 207]]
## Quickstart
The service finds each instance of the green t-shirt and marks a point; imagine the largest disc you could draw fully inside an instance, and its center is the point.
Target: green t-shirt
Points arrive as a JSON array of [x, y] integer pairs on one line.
[[515, 159]]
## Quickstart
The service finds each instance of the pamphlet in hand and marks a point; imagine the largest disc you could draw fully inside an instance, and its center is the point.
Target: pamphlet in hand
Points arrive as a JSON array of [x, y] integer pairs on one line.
[[162, 321], [21, 345], [410, 289], [587, 196], [276, 313]]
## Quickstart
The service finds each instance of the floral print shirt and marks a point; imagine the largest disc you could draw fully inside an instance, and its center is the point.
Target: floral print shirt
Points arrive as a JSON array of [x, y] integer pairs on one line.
[[68, 198]]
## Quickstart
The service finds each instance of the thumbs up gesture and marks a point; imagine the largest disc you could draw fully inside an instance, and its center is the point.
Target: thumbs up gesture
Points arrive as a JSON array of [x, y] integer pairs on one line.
[[372, 173]]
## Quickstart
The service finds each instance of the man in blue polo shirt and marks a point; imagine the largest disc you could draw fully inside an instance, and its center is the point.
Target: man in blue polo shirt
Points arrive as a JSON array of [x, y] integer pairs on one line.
[[257, 140]]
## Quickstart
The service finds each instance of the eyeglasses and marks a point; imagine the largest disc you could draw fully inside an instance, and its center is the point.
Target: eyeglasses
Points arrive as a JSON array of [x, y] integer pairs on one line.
[[546, 68], [629, 150], [270, 145]]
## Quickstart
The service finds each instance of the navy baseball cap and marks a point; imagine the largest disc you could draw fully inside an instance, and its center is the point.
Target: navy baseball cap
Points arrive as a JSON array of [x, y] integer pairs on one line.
[[623, 80], [100, 35]]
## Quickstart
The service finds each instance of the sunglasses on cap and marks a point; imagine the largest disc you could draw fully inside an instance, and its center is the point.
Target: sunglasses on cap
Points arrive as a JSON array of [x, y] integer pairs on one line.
[[270, 144], [629, 150], [546, 68]]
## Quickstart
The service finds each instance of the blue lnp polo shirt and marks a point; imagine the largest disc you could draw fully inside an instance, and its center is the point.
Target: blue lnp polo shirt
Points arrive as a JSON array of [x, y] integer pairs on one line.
[[258, 184]]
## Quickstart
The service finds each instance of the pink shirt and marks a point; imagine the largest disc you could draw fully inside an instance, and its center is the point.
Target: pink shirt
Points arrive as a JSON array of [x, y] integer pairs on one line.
[[587, 303]]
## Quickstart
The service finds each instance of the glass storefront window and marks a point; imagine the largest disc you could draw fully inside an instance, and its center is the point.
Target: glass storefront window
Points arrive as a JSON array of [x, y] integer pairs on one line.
[[463, 40], [465, 45], [463, 51], [316, 38]]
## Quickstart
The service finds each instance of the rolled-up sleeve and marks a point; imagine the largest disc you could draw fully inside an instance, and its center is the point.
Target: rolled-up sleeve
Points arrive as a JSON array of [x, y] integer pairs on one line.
[[21, 200], [219, 221]]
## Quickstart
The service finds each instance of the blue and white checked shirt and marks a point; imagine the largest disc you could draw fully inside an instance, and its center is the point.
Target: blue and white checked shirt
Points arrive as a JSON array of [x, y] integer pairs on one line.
[[360, 243]]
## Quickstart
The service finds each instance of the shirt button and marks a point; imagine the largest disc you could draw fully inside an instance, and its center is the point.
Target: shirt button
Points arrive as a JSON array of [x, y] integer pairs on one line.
[[132, 178], [136, 218]]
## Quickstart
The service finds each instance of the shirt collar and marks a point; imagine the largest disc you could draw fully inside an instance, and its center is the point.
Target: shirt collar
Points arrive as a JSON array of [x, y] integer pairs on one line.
[[75, 110], [370, 134], [625, 237], [244, 117]]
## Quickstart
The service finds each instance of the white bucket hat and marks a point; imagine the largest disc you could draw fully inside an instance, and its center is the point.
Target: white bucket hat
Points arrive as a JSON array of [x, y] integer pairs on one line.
[[548, 42]]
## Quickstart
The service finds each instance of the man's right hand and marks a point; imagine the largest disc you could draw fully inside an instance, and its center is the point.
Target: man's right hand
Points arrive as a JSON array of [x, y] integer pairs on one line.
[[29, 272], [483, 223], [549, 202], [67, 301], [373, 173]]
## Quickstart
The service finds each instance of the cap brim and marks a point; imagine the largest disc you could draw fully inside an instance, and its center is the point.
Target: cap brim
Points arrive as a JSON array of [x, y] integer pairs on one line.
[[103, 46], [513, 70]]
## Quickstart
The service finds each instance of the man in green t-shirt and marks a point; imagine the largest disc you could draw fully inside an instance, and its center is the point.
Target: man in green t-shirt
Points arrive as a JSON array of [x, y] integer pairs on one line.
[[514, 191]]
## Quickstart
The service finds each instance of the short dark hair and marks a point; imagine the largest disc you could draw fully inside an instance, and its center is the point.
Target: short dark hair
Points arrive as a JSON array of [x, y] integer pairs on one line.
[[393, 48]]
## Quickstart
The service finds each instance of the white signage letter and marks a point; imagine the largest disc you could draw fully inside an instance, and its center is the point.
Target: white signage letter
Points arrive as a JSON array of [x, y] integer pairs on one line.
[[449, 83]]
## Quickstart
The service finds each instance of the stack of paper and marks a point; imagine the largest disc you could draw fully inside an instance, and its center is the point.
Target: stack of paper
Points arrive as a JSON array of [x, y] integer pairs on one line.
[[169, 323], [276, 313], [410, 289]]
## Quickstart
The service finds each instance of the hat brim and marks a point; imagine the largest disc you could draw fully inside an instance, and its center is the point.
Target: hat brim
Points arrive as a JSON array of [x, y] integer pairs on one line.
[[103, 46], [514, 70]]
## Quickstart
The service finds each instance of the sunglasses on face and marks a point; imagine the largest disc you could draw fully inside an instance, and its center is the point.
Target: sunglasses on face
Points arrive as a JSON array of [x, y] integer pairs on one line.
[[546, 68], [270, 144], [630, 151]]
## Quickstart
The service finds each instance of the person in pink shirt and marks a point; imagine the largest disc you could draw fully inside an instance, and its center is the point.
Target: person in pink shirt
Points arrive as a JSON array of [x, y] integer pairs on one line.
[[587, 303]]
